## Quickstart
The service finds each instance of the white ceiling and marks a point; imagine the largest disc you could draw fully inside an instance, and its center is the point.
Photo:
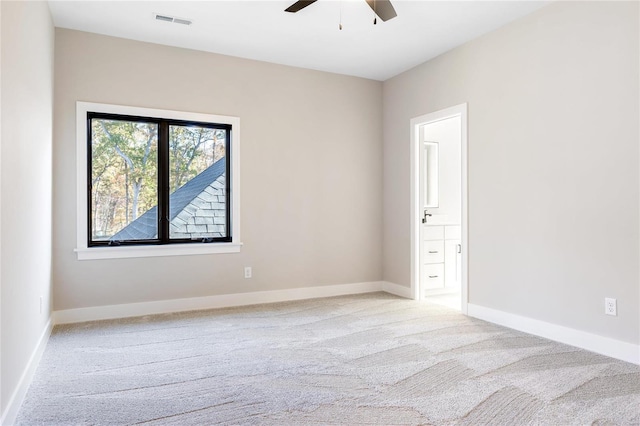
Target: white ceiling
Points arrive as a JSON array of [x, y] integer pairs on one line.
[[310, 38]]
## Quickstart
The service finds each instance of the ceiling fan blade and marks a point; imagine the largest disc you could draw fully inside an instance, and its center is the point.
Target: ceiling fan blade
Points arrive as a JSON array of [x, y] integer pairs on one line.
[[299, 5], [383, 8]]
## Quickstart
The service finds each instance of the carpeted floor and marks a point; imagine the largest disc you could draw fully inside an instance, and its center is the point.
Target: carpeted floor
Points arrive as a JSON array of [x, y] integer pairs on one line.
[[371, 359]]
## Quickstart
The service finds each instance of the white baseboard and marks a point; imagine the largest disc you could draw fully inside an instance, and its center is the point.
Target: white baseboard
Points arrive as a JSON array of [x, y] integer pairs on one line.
[[591, 342], [398, 290], [221, 301], [10, 413]]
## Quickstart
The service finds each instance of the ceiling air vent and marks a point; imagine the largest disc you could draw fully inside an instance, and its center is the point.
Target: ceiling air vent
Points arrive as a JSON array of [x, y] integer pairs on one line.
[[167, 18]]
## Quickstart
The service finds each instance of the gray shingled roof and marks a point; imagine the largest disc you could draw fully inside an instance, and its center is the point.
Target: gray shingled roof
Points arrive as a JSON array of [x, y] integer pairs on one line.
[[145, 226]]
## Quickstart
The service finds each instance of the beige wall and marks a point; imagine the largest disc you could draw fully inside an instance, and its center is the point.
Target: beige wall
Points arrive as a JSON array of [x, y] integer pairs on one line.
[[311, 170], [553, 164], [25, 255]]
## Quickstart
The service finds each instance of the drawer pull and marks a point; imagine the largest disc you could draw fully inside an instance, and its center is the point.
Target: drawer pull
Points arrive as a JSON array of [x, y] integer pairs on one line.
[[433, 251], [433, 276]]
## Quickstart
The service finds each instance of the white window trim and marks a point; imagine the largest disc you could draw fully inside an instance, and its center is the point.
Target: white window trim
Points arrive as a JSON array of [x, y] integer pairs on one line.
[[84, 252]]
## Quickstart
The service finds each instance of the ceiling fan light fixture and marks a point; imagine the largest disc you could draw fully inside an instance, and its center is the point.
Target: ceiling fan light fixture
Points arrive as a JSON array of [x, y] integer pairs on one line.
[[382, 9]]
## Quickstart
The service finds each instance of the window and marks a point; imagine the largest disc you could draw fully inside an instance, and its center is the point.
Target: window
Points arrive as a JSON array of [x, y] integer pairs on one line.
[[156, 182]]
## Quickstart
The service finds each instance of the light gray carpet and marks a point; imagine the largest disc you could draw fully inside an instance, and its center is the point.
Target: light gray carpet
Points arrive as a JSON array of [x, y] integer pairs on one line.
[[371, 359]]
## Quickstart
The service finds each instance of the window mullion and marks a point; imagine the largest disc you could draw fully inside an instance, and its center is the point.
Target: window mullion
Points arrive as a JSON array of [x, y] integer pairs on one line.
[[163, 182]]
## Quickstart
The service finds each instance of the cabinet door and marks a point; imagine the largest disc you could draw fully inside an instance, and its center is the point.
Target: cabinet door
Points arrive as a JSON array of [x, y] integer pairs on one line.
[[452, 264]]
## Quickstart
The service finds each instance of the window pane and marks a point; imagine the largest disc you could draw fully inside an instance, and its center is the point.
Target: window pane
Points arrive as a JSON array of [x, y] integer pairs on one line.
[[124, 175], [197, 180]]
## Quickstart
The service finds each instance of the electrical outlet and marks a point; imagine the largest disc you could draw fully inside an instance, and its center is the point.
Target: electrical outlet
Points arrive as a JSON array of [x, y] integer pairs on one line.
[[610, 306], [247, 272]]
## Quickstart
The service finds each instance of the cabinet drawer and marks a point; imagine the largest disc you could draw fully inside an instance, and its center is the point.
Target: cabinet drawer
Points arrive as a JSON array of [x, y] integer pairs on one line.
[[433, 251], [433, 233], [433, 276], [452, 233]]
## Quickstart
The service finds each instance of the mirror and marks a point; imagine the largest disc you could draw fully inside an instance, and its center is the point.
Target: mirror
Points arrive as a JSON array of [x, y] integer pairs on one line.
[[430, 174]]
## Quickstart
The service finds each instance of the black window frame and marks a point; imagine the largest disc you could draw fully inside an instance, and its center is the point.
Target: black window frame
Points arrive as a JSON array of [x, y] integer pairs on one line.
[[163, 181]]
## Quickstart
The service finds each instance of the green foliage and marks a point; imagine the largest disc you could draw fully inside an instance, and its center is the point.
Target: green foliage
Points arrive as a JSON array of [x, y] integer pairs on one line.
[[192, 150]]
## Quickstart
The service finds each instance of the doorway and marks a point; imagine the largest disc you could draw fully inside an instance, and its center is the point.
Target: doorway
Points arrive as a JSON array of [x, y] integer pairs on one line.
[[439, 208]]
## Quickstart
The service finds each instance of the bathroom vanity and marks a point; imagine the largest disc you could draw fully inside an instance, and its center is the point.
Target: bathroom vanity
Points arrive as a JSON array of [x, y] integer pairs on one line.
[[441, 259]]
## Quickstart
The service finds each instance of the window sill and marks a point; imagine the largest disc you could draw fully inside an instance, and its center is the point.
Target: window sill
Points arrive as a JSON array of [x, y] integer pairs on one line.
[[95, 253]]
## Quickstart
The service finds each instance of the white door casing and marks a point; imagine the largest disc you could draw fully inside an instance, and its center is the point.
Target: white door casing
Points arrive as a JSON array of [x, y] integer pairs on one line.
[[417, 198]]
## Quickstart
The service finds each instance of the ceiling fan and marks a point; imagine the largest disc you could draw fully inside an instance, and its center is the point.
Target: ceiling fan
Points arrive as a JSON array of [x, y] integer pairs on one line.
[[383, 8]]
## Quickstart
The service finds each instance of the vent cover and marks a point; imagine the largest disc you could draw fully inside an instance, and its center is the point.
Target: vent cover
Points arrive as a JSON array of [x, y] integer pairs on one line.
[[175, 20]]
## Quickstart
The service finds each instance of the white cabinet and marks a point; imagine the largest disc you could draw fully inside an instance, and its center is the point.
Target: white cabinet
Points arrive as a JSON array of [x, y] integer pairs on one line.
[[433, 276], [433, 251], [441, 261], [452, 232], [430, 233], [452, 264]]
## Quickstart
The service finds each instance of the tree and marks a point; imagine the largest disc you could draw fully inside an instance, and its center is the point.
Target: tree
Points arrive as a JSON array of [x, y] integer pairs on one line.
[[124, 172], [192, 150]]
